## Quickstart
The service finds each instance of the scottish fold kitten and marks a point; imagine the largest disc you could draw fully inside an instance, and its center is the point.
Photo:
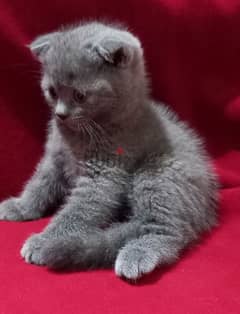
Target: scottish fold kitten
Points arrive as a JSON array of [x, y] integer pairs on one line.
[[134, 183]]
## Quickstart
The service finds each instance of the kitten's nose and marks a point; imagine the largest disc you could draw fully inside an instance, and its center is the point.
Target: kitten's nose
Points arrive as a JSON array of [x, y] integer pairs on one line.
[[61, 111], [61, 116]]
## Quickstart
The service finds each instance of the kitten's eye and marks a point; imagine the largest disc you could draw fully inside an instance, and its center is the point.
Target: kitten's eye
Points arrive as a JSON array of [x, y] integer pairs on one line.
[[78, 96], [52, 92]]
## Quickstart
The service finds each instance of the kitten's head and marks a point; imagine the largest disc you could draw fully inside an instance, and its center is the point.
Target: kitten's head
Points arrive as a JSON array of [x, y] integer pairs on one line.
[[93, 71]]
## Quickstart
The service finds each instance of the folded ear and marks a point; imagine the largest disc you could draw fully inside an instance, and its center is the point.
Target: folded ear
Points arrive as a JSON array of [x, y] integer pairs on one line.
[[117, 52], [41, 44]]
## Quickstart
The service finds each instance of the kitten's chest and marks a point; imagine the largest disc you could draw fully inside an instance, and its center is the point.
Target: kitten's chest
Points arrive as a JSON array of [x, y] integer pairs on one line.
[[97, 163], [120, 152]]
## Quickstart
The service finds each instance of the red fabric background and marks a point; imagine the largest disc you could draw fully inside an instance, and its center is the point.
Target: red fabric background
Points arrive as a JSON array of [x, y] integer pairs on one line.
[[193, 54]]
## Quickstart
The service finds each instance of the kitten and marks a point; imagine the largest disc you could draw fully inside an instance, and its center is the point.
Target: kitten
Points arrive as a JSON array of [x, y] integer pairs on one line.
[[135, 184]]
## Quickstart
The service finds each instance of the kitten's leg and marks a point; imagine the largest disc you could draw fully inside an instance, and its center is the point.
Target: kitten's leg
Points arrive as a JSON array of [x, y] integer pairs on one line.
[[92, 205], [98, 249], [170, 210], [44, 189], [175, 204]]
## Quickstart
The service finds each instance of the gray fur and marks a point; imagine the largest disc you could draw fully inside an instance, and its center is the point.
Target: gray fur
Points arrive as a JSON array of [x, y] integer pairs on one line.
[[161, 174]]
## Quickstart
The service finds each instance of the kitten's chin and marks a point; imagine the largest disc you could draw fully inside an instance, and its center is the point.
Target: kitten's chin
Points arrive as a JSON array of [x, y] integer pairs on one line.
[[67, 125]]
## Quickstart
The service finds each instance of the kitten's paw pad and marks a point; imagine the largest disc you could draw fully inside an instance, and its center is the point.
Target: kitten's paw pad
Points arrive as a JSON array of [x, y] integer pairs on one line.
[[32, 250], [132, 263], [10, 210]]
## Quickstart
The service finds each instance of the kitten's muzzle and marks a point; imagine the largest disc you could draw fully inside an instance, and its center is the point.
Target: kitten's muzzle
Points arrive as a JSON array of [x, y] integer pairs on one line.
[[61, 116], [61, 111]]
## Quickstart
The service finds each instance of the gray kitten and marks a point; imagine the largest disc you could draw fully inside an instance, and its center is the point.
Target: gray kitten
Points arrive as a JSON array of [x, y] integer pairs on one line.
[[135, 184]]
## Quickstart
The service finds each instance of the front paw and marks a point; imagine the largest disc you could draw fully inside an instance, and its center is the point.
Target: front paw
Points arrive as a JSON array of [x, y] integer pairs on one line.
[[10, 210], [51, 252], [134, 262], [32, 249]]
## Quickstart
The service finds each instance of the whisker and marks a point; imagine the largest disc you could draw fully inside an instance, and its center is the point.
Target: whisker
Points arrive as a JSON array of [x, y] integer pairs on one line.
[[89, 133], [96, 133], [104, 136], [99, 136]]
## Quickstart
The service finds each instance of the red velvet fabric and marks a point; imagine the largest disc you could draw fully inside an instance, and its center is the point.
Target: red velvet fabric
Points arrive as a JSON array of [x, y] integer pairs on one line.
[[193, 54]]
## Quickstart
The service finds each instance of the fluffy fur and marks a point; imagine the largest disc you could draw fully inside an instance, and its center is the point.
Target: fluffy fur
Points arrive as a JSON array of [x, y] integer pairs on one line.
[[134, 184]]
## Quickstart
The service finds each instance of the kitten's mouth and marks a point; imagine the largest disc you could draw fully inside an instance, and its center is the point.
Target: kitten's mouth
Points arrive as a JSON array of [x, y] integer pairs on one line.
[[76, 124], [61, 117]]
